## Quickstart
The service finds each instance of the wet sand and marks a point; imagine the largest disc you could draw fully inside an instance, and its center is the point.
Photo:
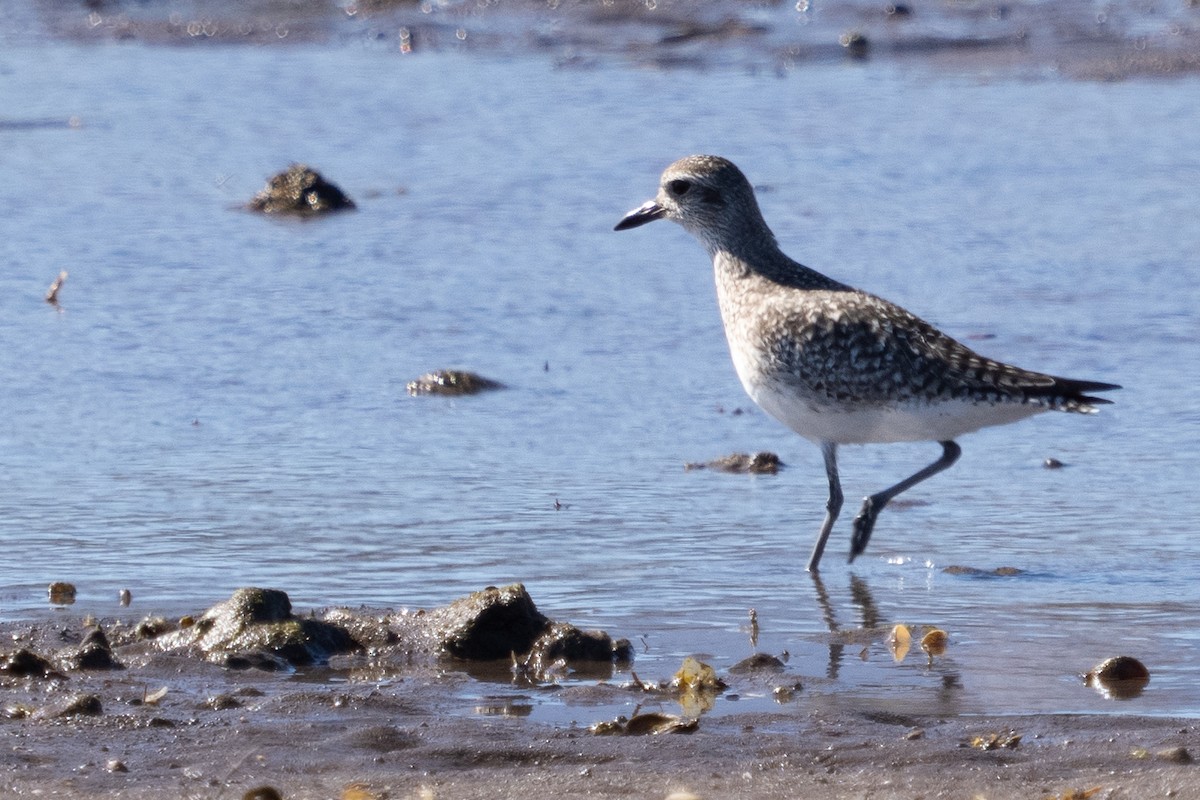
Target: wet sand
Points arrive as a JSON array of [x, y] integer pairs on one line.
[[398, 724], [1073, 39]]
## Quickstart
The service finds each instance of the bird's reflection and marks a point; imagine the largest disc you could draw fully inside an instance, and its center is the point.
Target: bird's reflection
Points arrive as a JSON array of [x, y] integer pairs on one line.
[[869, 630], [860, 596]]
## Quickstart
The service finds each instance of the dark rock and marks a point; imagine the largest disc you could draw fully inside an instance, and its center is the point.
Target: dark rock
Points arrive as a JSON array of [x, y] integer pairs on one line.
[[856, 43], [94, 653], [251, 605], [256, 628], [451, 382], [563, 640], [762, 463], [1176, 755], [267, 662], [152, 627], [593, 652], [62, 593], [80, 705], [383, 739], [1002, 572], [1120, 668], [300, 190], [489, 624], [651, 723], [26, 663], [1119, 678], [759, 662], [222, 702], [263, 793]]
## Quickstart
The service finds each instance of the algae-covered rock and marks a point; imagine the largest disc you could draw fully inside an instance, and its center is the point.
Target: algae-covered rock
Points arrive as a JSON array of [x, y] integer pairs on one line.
[[300, 190], [761, 463], [62, 593], [565, 641], [503, 623], [489, 624], [152, 627], [452, 383], [255, 627]]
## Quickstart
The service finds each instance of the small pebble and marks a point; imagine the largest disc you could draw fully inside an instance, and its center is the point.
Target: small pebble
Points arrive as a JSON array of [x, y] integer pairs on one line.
[[856, 44], [222, 702], [62, 593], [1119, 668], [1118, 678], [1176, 755], [451, 382], [263, 793], [761, 463]]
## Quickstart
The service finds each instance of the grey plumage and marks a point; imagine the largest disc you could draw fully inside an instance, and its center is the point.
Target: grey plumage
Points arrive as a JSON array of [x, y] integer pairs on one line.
[[836, 364]]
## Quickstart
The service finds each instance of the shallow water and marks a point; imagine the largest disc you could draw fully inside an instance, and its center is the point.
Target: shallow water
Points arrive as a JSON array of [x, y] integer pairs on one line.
[[220, 400]]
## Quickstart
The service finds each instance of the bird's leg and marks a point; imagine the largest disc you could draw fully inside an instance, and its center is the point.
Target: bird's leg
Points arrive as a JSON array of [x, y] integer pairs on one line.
[[864, 523], [833, 506]]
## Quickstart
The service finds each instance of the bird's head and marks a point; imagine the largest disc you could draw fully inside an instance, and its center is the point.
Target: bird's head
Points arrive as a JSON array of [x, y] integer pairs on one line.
[[709, 196]]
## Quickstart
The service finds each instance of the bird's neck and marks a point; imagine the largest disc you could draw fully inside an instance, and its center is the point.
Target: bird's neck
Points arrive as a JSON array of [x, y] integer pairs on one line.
[[760, 259]]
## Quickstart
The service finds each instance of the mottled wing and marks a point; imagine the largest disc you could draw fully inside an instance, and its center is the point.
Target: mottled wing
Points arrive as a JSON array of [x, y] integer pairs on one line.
[[851, 347]]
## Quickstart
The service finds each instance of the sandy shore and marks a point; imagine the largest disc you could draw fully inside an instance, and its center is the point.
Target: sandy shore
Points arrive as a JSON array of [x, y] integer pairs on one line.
[[319, 741]]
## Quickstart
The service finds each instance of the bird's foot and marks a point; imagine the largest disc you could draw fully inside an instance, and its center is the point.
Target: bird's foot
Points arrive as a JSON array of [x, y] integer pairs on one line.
[[864, 523]]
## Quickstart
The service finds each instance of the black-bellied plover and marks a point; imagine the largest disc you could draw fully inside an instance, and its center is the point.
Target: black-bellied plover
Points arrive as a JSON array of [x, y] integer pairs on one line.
[[835, 364]]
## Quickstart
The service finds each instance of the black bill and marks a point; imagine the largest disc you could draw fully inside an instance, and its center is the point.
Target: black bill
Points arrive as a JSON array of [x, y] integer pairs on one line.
[[640, 216]]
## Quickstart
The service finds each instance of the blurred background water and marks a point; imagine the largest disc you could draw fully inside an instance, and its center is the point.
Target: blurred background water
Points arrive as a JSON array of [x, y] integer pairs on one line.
[[219, 400]]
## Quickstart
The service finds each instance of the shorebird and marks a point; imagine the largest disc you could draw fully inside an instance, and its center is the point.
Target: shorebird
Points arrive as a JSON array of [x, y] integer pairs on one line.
[[835, 364]]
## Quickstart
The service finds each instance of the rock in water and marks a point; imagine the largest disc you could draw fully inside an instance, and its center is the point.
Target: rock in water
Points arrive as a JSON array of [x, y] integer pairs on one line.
[[451, 382], [300, 190]]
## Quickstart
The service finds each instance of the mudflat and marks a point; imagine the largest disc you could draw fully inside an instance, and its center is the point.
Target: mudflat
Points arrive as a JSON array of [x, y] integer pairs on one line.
[[227, 706]]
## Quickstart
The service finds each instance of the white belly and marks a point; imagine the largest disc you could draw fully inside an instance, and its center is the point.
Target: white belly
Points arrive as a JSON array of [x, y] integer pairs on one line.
[[825, 421]]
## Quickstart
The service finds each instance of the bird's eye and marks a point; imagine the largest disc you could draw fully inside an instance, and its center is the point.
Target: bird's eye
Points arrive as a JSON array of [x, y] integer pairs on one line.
[[679, 187]]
